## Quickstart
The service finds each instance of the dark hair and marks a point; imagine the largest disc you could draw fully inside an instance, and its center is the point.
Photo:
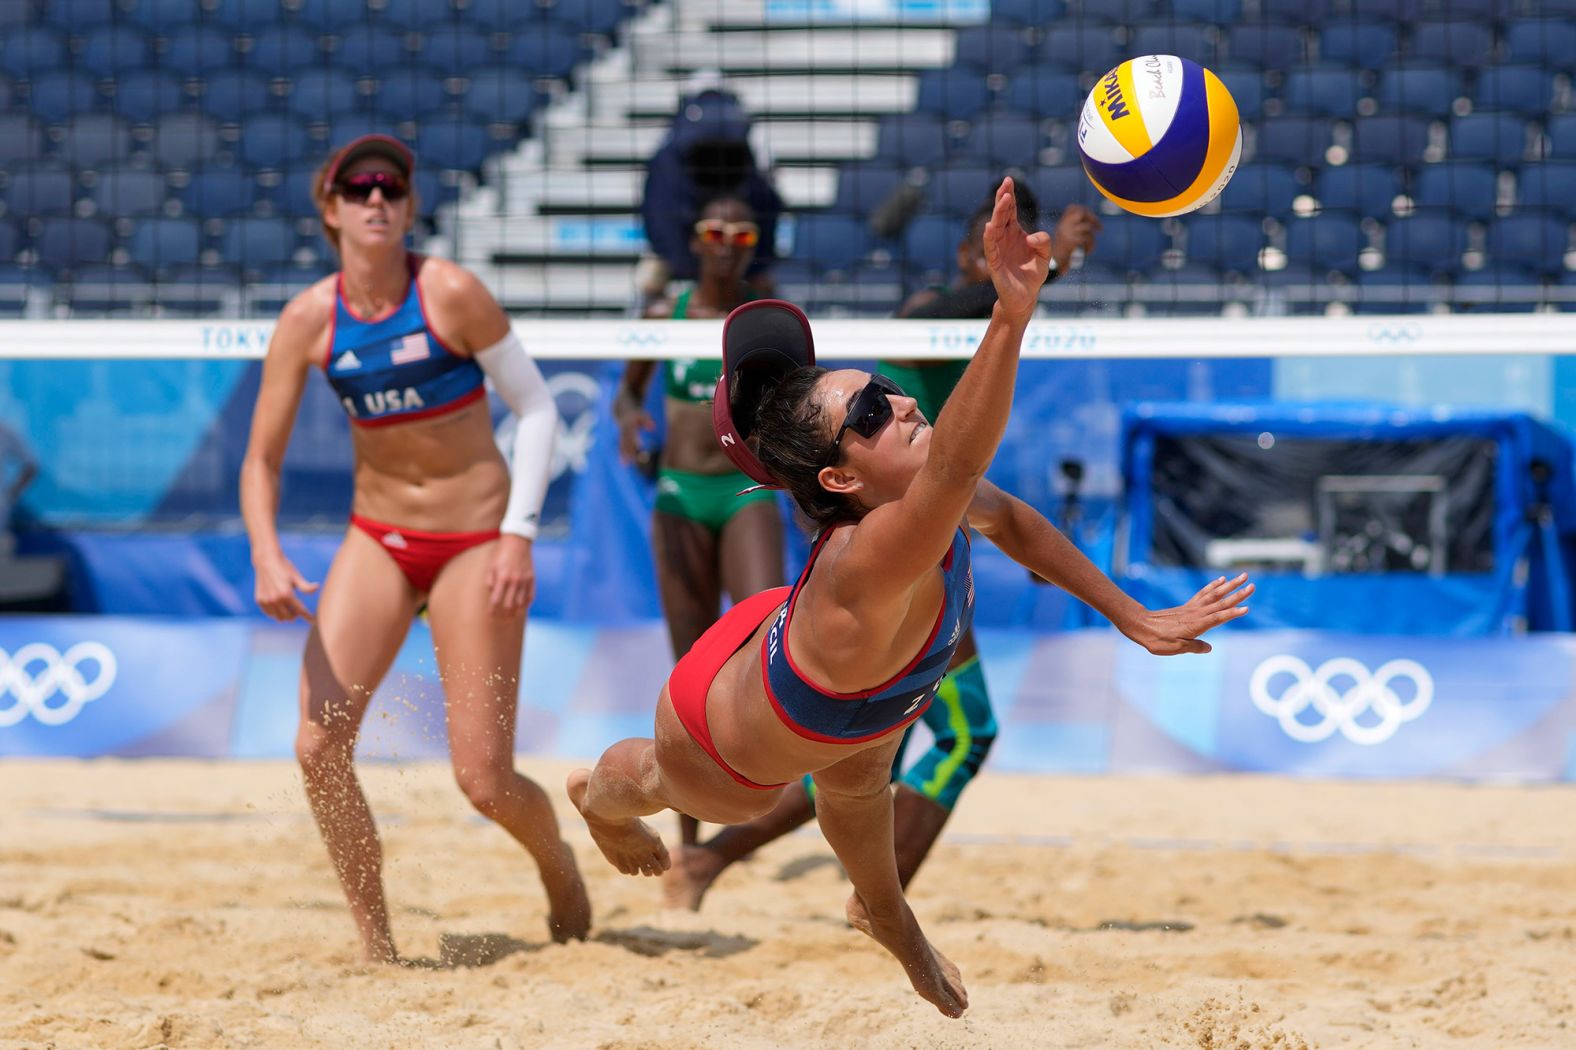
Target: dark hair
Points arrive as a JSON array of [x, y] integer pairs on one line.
[[723, 198], [791, 440], [1028, 207]]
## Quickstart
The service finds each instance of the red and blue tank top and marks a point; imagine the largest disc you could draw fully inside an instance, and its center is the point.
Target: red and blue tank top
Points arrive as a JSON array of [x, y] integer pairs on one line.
[[396, 369], [850, 718]]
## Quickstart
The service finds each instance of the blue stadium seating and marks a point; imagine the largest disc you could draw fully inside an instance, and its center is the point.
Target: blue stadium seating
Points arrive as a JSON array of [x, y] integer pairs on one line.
[[1547, 186], [280, 50], [198, 50], [1246, 85], [246, 16], [1500, 138], [916, 140], [156, 245], [500, 94], [64, 243], [1081, 48], [1330, 241], [272, 140], [1058, 187], [109, 48], [1356, 43], [1467, 188], [60, 94], [1524, 89], [1562, 136], [160, 17], [1389, 138], [1550, 42], [953, 93], [220, 191], [452, 144], [256, 243], [1131, 242], [32, 50], [1393, 10], [863, 187], [1424, 89], [453, 51], [129, 193], [232, 95], [1293, 140], [1207, 10], [930, 244], [1261, 189], [1227, 242], [327, 17], [1533, 241], [141, 95], [183, 139], [1004, 139], [1033, 13], [1425, 243], [1266, 45], [21, 140], [830, 242], [544, 49], [317, 91], [589, 16], [991, 48], [15, 13], [1367, 189], [1461, 43], [404, 93], [1196, 42], [1308, 12], [956, 191], [1043, 91], [368, 50], [94, 139], [41, 189], [1323, 91]]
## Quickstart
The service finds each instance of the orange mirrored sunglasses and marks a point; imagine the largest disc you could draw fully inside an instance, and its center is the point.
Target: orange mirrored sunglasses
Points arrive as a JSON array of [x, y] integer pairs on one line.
[[738, 234]]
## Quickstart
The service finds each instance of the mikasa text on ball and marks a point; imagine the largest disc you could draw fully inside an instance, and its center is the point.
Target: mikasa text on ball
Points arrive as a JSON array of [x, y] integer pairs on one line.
[[1159, 135]]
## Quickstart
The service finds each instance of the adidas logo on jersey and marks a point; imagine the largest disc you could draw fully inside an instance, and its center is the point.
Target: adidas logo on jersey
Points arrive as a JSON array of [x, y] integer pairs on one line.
[[347, 361], [395, 540]]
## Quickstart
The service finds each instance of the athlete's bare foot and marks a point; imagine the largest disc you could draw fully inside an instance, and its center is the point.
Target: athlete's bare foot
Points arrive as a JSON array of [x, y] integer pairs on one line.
[[932, 974], [568, 907], [629, 845], [692, 874]]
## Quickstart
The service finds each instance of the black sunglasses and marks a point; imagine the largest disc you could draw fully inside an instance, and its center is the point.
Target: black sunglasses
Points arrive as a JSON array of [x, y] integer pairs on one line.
[[359, 187], [868, 412]]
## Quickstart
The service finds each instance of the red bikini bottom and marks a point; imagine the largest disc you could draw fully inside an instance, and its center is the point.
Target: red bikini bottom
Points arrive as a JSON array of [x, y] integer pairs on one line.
[[420, 555]]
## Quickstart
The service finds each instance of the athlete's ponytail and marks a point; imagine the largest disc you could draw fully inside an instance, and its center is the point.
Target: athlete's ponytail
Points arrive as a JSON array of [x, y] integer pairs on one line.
[[791, 439]]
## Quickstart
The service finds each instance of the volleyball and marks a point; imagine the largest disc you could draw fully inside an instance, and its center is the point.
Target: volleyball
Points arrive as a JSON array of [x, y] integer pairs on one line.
[[1159, 135]]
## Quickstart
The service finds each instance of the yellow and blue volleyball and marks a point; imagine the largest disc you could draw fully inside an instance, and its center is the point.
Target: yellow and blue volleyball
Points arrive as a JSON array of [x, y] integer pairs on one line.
[[1159, 135]]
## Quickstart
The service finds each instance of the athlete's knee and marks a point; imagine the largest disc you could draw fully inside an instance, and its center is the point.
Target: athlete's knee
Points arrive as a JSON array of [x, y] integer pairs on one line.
[[320, 750], [486, 786]]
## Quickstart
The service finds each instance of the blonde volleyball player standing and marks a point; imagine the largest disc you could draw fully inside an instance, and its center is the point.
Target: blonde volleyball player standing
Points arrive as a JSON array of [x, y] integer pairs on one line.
[[436, 517]]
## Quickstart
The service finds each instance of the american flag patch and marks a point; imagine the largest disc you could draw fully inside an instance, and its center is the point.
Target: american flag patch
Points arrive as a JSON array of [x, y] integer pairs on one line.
[[411, 348]]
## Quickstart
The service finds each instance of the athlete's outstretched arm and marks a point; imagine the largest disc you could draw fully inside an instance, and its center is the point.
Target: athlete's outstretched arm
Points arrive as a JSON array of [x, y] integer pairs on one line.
[[1027, 538]]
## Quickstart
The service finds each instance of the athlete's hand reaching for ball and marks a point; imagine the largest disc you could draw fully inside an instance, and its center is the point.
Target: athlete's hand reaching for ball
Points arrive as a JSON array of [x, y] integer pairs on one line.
[[511, 578], [277, 583], [1167, 632], [1018, 260]]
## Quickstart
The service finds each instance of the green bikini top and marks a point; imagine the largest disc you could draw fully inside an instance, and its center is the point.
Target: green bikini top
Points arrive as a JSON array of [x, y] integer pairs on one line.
[[687, 380]]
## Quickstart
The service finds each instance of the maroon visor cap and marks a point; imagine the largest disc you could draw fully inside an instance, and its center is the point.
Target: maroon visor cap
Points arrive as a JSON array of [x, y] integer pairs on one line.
[[762, 341]]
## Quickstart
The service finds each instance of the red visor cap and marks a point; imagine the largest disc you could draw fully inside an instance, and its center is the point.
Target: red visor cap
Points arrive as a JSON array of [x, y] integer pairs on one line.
[[762, 341]]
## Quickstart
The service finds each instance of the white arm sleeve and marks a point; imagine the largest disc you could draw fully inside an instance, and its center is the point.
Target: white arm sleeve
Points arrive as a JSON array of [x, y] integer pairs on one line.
[[519, 382]]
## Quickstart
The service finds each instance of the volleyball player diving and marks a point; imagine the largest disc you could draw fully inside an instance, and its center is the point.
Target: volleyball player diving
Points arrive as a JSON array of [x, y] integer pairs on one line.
[[823, 677], [406, 343]]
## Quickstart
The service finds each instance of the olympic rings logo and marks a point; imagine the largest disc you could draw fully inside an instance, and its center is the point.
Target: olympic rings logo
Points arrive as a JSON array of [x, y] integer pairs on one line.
[[1351, 710], [1395, 334], [650, 337], [57, 674]]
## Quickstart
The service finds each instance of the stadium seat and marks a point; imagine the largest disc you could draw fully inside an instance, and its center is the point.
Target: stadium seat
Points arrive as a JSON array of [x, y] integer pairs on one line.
[[1081, 47], [314, 92], [501, 16], [1226, 242], [402, 93], [1265, 46], [930, 244], [1393, 10], [129, 193], [1261, 189], [1418, 89], [861, 188], [1390, 139], [453, 51], [95, 139], [280, 50], [1562, 136], [601, 17], [63, 244], [256, 243], [1305, 12], [1036, 14], [1330, 241], [452, 144], [104, 288], [220, 192], [108, 49], [915, 140], [1196, 42], [41, 189], [1367, 189], [183, 139], [1459, 43], [1524, 89], [159, 244], [1323, 91], [422, 16], [1464, 187], [1425, 243], [1357, 43], [1058, 187], [1218, 11], [1044, 91], [1191, 289], [957, 191], [1483, 10], [57, 95], [7, 91], [30, 51], [10, 241], [1393, 289], [194, 51], [544, 49], [954, 93], [328, 17], [1293, 140], [1550, 42], [991, 49], [1131, 242], [1005, 139], [144, 95], [1548, 186], [232, 95], [1533, 241], [72, 16], [21, 140], [1246, 85], [160, 17], [367, 50], [830, 242], [1500, 138], [15, 13], [500, 94], [245, 16], [272, 140]]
